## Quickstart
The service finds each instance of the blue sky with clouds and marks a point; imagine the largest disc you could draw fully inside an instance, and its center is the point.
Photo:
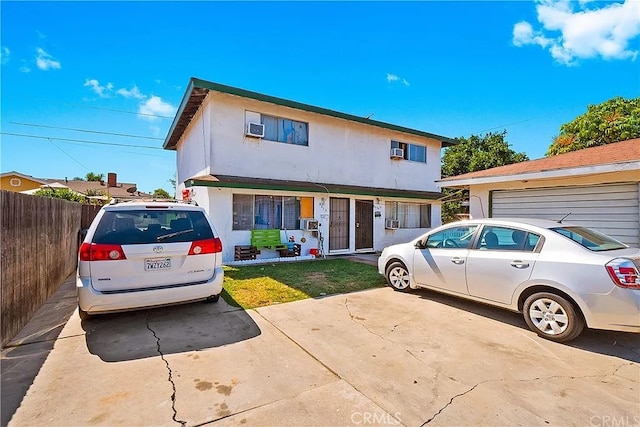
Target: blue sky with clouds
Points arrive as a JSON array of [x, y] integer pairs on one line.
[[93, 86]]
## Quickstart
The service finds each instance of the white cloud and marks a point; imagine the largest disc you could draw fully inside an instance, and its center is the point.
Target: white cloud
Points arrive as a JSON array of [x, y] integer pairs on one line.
[[155, 130], [101, 91], [573, 31], [45, 62], [25, 69], [149, 107], [395, 78], [523, 34], [5, 53], [133, 93], [155, 106]]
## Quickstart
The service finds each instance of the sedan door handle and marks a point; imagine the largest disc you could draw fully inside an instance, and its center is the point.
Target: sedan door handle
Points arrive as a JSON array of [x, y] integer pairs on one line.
[[457, 260], [519, 264]]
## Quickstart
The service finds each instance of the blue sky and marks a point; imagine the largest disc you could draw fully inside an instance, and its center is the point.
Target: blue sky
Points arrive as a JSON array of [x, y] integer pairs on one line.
[[450, 68]]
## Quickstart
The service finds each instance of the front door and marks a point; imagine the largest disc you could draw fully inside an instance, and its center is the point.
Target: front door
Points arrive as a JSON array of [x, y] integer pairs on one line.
[[338, 224], [364, 224]]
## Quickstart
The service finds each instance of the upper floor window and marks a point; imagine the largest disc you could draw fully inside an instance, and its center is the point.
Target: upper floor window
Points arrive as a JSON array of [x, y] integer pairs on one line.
[[413, 152], [285, 130]]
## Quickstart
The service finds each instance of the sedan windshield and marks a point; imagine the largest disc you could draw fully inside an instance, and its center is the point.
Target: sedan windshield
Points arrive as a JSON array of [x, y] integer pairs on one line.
[[590, 239]]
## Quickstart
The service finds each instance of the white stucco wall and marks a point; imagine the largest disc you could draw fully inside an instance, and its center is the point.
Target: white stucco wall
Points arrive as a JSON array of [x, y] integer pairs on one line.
[[194, 149], [339, 151]]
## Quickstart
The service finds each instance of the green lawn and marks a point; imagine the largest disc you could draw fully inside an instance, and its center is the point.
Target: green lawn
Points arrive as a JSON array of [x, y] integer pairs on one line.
[[254, 286]]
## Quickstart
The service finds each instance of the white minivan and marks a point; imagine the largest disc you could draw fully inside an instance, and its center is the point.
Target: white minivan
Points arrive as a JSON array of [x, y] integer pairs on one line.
[[145, 254]]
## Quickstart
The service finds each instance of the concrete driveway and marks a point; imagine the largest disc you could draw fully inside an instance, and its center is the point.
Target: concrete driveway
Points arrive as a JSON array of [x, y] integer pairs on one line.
[[376, 357]]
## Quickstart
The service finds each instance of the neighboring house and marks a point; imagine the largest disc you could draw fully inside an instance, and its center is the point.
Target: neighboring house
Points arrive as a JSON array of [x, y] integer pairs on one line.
[[17, 182], [259, 162], [14, 181], [596, 187]]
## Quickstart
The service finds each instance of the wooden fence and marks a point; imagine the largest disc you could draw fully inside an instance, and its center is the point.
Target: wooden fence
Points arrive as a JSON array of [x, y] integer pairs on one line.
[[38, 252]]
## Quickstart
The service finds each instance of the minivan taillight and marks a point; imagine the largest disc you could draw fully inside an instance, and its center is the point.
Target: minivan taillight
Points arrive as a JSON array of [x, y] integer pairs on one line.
[[101, 252], [208, 246], [624, 273]]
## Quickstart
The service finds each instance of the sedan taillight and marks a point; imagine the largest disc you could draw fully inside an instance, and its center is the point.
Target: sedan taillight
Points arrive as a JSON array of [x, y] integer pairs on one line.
[[624, 273], [101, 252], [208, 246]]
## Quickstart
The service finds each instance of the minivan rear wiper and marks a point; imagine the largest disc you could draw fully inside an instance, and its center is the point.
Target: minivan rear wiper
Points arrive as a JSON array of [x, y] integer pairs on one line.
[[177, 233]]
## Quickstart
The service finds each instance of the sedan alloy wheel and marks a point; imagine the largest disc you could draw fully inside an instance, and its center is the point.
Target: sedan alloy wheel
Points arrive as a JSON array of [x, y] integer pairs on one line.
[[398, 277], [552, 317]]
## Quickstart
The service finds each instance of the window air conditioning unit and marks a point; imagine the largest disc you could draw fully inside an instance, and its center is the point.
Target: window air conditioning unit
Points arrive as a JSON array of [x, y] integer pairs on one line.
[[255, 129], [309, 224], [392, 224], [397, 153]]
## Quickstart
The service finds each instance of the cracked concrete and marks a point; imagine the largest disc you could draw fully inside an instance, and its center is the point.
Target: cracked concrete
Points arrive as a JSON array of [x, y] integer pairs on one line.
[[376, 357], [169, 377]]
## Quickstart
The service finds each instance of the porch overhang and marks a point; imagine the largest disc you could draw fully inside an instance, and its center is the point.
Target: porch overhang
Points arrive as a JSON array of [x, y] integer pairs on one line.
[[228, 181]]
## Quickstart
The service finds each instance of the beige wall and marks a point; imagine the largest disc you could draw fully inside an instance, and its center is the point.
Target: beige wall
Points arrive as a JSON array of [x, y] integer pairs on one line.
[[479, 194]]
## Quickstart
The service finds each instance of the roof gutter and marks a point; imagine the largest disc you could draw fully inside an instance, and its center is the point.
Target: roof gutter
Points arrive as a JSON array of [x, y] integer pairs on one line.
[[539, 175]]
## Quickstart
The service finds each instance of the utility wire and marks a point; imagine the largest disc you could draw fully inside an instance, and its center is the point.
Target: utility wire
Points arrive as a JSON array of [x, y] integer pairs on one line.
[[128, 112], [86, 130], [553, 113], [69, 155], [82, 140]]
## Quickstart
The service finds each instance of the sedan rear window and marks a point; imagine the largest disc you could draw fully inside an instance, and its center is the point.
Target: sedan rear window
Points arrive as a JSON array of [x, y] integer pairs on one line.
[[129, 227], [590, 239]]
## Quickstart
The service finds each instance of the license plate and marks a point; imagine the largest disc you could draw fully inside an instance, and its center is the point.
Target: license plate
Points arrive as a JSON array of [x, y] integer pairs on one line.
[[152, 264]]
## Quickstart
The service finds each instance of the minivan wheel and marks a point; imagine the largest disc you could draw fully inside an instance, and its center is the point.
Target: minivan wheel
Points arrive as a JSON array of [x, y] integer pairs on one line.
[[212, 299], [398, 277], [552, 317]]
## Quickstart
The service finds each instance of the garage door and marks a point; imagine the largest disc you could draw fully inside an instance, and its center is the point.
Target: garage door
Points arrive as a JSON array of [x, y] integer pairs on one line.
[[611, 209]]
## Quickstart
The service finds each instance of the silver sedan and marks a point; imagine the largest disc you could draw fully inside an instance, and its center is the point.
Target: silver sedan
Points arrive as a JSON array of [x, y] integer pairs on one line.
[[562, 277]]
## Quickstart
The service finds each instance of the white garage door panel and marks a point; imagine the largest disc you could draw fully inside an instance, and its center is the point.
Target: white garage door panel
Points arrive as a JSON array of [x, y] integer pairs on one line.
[[612, 209]]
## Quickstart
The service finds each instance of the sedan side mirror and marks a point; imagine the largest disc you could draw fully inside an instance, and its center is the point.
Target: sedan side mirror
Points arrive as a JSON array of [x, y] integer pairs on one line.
[[420, 244]]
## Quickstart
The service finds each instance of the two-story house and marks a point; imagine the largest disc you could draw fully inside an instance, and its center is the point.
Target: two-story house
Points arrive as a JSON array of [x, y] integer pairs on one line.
[[336, 182]]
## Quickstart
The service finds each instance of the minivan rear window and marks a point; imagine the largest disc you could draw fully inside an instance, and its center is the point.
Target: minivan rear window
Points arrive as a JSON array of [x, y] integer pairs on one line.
[[590, 239], [131, 227]]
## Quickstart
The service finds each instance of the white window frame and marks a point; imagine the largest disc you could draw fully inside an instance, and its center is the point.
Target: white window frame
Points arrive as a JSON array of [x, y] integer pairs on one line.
[[286, 217], [408, 149], [281, 135], [400, 211]]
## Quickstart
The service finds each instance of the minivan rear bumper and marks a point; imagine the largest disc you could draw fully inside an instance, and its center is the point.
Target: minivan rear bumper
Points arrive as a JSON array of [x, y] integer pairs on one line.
[[95, 302]]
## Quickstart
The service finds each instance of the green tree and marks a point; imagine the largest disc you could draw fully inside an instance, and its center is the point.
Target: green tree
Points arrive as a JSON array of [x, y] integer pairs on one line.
[[61, 193], [617, 119], [475, 153], [103, 197], [160, 193], [95, 176]]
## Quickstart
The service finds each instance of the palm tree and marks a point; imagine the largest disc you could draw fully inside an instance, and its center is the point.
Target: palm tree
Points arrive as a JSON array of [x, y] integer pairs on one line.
[[95, 176]]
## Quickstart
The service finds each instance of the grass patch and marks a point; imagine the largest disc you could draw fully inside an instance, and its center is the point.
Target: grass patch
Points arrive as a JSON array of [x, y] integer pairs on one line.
[[254, 286]]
